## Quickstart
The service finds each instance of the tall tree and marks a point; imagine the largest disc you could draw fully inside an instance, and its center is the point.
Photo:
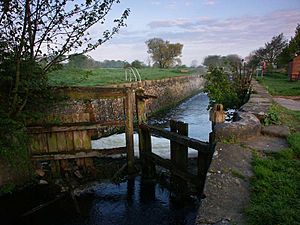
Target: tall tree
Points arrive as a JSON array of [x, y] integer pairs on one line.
[[213, 60], [291, 50], [164, 53], [274, 48], [36, 30]]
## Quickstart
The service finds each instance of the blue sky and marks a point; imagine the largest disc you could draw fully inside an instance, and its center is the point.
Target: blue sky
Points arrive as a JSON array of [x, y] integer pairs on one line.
[[204, 27]]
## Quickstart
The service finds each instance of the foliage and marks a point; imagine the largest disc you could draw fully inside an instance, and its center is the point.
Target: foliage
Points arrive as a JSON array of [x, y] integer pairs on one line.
[[226, 62], [13, 142], [164, 53], [291, 49], [272, 116], [269, 53], [106, 76], [274, 48], [275, 187], [81, 61], [279, 84], [231, 90], [137, 64]]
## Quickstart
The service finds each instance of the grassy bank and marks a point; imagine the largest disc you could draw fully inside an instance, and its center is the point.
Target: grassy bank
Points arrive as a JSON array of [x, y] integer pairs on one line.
[[275, 186], [279, 84], [104, 76]]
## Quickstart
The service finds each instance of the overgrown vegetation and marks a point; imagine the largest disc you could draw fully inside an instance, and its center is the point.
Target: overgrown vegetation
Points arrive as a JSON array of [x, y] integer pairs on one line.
[[96, 77], [279, 84]]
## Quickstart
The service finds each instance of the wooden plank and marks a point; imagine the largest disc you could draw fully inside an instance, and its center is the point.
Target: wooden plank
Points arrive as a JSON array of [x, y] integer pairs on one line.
[[35, 144], [73, 127], [86, 140], [61, 141], [52, 142], [129, 130], [78, 142], [166, 163], [81, 154], [200, 146], [44, 143], [69, 141]]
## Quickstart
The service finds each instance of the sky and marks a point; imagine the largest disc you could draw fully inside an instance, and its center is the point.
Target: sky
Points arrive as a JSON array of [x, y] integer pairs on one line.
[[204, 27]]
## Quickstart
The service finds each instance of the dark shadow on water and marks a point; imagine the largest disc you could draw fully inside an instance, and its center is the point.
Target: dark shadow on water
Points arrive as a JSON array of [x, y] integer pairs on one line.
[[136, 201]]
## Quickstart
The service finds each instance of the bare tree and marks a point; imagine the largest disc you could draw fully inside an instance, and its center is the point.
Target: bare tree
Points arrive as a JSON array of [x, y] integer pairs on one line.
[[34, 31]]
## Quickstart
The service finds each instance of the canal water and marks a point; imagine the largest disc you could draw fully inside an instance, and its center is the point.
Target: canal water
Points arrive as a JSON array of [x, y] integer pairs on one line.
[[132, 202], [192, 111]]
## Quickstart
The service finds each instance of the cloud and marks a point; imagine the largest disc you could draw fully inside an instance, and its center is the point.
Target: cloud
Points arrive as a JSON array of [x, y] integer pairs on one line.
[[209, 2], [203, 36], [170, 23]]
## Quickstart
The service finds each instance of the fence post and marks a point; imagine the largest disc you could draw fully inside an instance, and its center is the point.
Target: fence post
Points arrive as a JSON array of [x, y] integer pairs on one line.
[[129, 130], [216, 116], [179, 155], [148, 167]]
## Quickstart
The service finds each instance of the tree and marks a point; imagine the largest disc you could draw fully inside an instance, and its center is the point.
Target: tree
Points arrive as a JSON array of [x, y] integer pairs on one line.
[[163, 53], [81, 61], [194, 63], [274, 48], [233, 60], [137, 64], [35, 31], [213, 60], [292, 49]]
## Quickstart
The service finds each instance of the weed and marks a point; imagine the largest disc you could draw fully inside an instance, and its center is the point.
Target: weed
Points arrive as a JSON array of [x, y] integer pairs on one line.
[[272, 116]]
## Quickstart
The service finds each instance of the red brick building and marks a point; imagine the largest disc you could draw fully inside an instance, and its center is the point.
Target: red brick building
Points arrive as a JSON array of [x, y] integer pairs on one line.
[[294, 68]]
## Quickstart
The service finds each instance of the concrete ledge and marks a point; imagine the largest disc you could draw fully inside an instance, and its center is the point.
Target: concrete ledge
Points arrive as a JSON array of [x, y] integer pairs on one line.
[[246, 126]]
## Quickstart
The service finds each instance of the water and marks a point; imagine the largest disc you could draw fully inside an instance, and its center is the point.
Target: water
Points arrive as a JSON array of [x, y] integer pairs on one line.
[[193, 111], [133, 202]]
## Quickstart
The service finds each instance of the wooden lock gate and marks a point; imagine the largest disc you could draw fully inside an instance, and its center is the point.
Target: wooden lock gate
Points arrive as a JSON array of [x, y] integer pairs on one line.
[[179, 142], [70, 139]]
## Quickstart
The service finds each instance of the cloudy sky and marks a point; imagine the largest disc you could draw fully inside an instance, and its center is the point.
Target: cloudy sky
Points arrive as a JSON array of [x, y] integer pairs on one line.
[[204, 27]]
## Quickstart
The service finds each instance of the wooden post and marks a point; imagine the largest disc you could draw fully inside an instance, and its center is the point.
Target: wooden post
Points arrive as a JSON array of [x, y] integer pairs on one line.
[[217, 115], [179, 155], [148, 167], [129, 130]]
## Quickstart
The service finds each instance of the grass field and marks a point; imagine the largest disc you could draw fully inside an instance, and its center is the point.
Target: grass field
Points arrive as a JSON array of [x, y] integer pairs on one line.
[[103, 76], [279, 84]]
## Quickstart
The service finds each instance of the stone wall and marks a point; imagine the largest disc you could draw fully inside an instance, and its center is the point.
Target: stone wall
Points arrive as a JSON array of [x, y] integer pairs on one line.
[[168, 91]]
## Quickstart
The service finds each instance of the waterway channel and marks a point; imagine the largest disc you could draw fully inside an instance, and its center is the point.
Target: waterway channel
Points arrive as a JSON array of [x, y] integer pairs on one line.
[[132, 202]]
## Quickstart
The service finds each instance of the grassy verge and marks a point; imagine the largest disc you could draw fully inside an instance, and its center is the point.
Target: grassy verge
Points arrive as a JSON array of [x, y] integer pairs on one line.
[[104, 76], [275, 186], [279, 84]]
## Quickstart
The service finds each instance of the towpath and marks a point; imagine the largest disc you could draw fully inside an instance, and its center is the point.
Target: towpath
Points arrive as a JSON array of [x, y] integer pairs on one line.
[[227, 187]]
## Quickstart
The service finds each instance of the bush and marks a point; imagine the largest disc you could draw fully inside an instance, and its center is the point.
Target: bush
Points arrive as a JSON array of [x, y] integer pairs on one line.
[[231, 90]]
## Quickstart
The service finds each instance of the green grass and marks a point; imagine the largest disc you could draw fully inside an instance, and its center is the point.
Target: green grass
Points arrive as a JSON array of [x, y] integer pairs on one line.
[[280, 115], [279, 84], [275, 186], [103, 76]]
